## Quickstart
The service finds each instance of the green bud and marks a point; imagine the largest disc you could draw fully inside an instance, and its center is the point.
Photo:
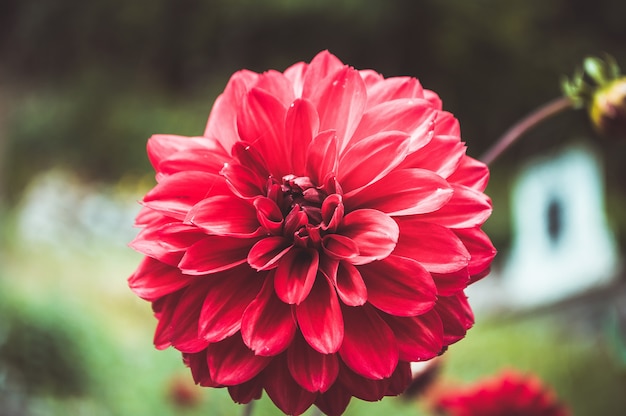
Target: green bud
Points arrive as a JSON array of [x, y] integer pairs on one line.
[[600, 88]]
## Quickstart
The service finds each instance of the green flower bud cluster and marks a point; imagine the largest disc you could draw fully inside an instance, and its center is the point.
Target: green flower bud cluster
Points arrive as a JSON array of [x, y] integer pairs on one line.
[[601, 89]]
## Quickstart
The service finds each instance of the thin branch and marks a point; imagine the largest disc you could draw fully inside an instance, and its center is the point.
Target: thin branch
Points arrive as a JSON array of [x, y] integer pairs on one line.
[[531, 120]]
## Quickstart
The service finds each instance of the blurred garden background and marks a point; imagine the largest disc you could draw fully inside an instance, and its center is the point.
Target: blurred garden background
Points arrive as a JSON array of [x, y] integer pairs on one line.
[[84, 84]]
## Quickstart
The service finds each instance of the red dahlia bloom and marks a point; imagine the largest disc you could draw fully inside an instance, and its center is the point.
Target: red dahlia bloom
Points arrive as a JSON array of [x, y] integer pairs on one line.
[[316, 239], [508, 394]]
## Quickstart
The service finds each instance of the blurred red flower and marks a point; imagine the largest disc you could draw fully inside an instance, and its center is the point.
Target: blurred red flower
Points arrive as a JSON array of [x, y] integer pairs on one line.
[[316, 239], [508, 394]]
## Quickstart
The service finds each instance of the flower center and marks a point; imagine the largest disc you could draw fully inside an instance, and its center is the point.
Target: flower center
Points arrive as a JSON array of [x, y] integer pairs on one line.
[[300, 191]]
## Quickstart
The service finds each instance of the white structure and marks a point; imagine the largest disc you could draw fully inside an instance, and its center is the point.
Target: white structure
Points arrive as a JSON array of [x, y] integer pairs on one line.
[[561, 244]]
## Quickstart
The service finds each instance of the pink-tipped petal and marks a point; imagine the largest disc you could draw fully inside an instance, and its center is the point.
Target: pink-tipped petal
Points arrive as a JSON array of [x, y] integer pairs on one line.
[[456, 315], [399, 286], [403, 192], [226, 216], [214, 254], [374, 233], [176, 194], [231, 362], [436, 247], [301, 126], [154, 279], [223, 307], [295, 275], [471, 173], [371, 159], [267, 326], [481, 249], [467, 208], [419, 338], [184, 333], [369, 346], [340, 102], [222, 123], [350, 285], [261, 121], [320, 318], [442, 155], [322, 156], [267, 252]]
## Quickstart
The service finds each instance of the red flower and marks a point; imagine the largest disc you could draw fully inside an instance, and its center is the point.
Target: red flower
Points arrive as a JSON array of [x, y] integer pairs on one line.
[[316, 239], [508, 394]]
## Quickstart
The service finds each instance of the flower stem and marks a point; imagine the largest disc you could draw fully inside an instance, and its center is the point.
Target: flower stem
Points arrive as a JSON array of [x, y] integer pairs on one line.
[[247, 409], [542, 113]]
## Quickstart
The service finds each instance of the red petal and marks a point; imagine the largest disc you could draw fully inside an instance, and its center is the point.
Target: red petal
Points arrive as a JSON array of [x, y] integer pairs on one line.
[[320, 318], [399, 286], [403, 192], [350, 285], [419, 337], [248, 391], [446, 124], [166, 147], [200, 159], [332, 212], [266, 253], [286, 394], [243, 181], [451, 283], [261, 120], [322, 156], [231, 362], [340, 101], [166, 243], [369, 346], [441, 155], [363, 388], [339, 247], [295, 275], [267, 326], [436, 247], [323, 65], [371, 159], [374, 233], [334, 401], [467, 208], [301, 125], [214, 254], [154, 279], [277, 85], [199, 369], [228, 295], [165, 307], [400, 379], [412, 116], [480, 248], [312, 370], [224, 215], [269, 215], [456, 315], [222, 123], [471, 173], [393, 88], [184, 334], [176, 194]]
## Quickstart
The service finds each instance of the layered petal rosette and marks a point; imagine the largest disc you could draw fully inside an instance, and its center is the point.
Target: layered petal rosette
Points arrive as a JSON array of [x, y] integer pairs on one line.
[[509, 393], [316, 239]]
